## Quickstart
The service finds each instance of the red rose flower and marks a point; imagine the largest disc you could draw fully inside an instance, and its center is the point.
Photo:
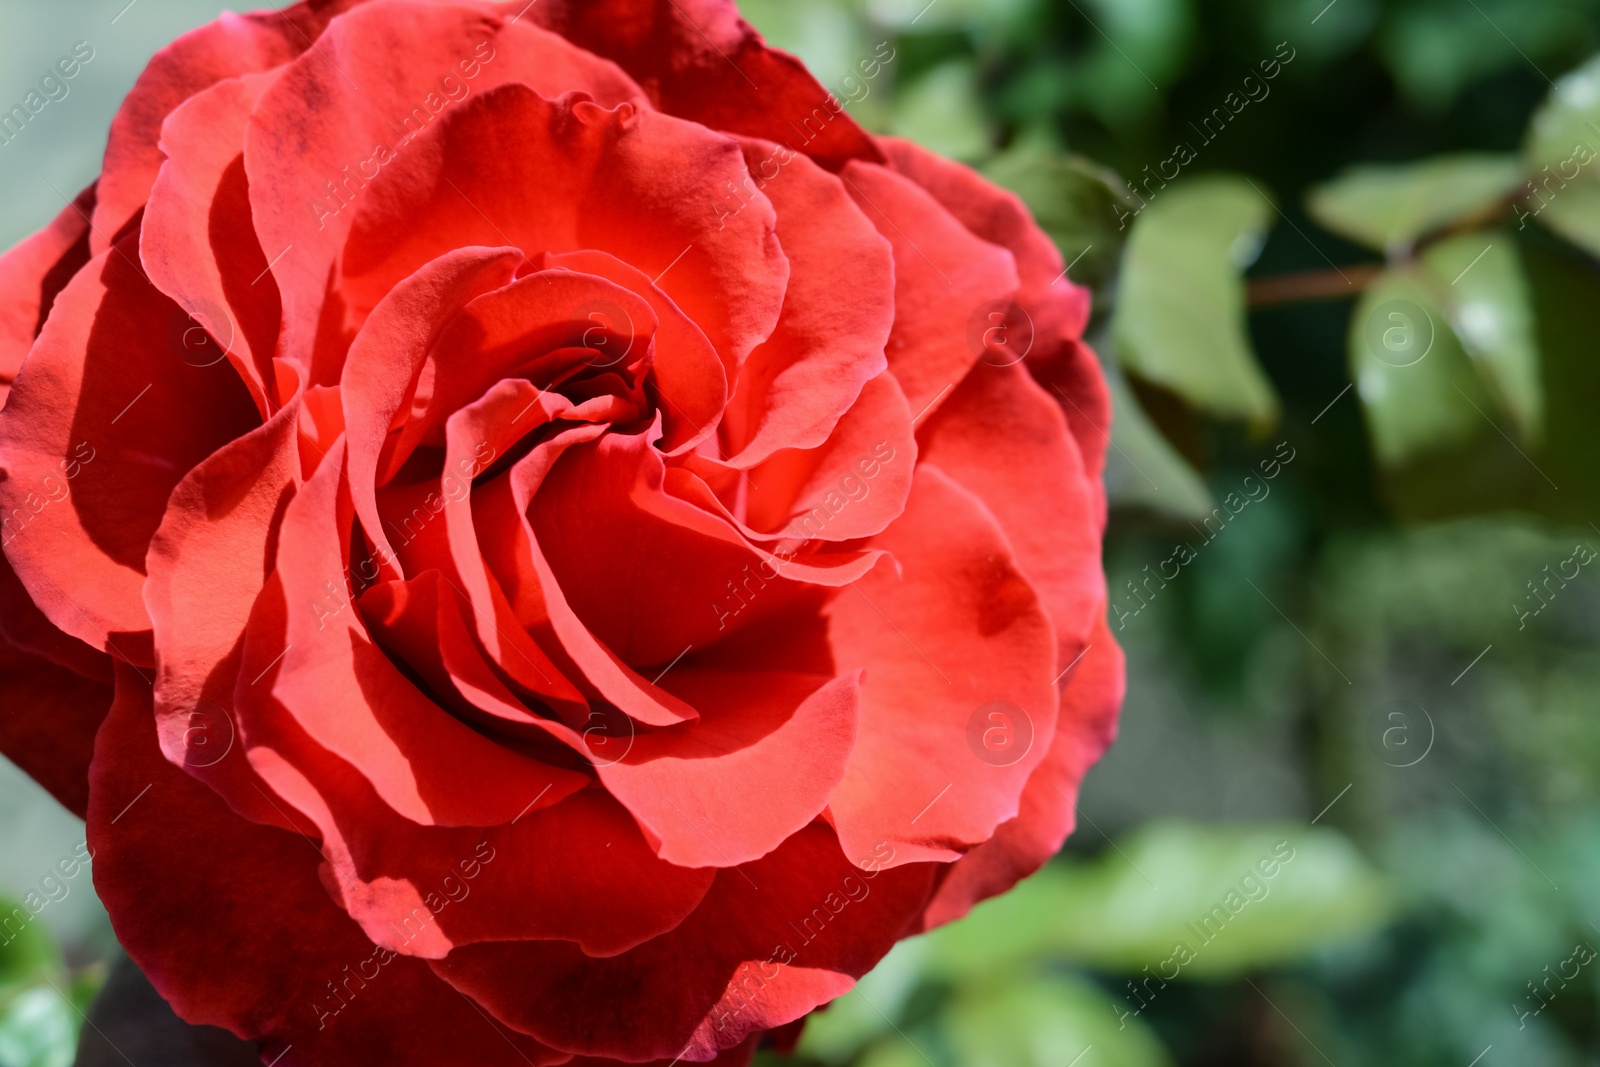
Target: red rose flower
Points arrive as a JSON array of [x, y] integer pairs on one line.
[[530, 535]]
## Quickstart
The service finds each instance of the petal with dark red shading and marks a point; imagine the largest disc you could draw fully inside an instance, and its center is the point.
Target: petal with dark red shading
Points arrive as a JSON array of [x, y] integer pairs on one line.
[[576, 870], [48, 719], [645, 570], [197, 242], [957, 627], [1006, 441], [26, 628], [231, 46], [243, 935], [102, 423], [691, 375], [707, 64], [376, 69], [759, 765], [1057, 309], [306, 641], [804, 920], [32, 273], [208, 562]]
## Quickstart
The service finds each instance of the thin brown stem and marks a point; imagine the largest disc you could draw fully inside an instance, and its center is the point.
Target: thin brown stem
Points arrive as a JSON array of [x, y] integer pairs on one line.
[[1313, 285]]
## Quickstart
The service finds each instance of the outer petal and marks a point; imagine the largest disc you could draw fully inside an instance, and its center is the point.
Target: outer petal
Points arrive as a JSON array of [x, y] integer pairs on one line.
[[772, 940], [957, 628], [197, 241], [576, 871], [230, 46], [1005, 441], [1057, 309], [103, 422], [943, 277], [707, 64], [48, 718], [32, 274], [1020, 846], [26, 628], [230, 923], [376, 78]]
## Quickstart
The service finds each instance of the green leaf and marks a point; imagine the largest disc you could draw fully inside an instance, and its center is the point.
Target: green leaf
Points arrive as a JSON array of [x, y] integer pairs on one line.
[[1045, 1022], [1563, 159], [837, 1033], [1143, 470], [1180, 316], [897, 1051], [943, 111], [1080, 204], [1204, 887], [38, 1024], [919, 16], [1574, 214], [1388, 207], [27, 949], [829, 39], [38, 1028], [1490, 308], [1417, 385]]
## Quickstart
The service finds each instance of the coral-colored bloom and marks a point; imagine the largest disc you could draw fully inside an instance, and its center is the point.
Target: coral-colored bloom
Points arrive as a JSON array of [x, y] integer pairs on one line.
[[530, 535]]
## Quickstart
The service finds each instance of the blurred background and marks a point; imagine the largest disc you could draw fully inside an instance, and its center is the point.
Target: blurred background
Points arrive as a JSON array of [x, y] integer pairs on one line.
[[1343, 257]]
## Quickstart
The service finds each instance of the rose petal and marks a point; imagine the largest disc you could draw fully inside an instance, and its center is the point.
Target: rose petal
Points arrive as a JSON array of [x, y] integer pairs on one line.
[[511, 166], [1057, 309], [102, 423], [943, 277], [646, 571], [768, 751], [957, 628], [837, 311], [48, 719], [577, 871], [208, 562], [243, 935], [380, 375], [32, 273], [707, 64], [691, 376], [26, 628], [1004, 440], [378, 75], [231, 46], [854, 485], [782, 934], [309, 646], [198, 244], [1020, 846]]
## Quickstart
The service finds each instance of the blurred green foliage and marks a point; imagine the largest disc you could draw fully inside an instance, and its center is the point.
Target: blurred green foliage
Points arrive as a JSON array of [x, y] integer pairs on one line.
[[1366, 230], [41, 1001]]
